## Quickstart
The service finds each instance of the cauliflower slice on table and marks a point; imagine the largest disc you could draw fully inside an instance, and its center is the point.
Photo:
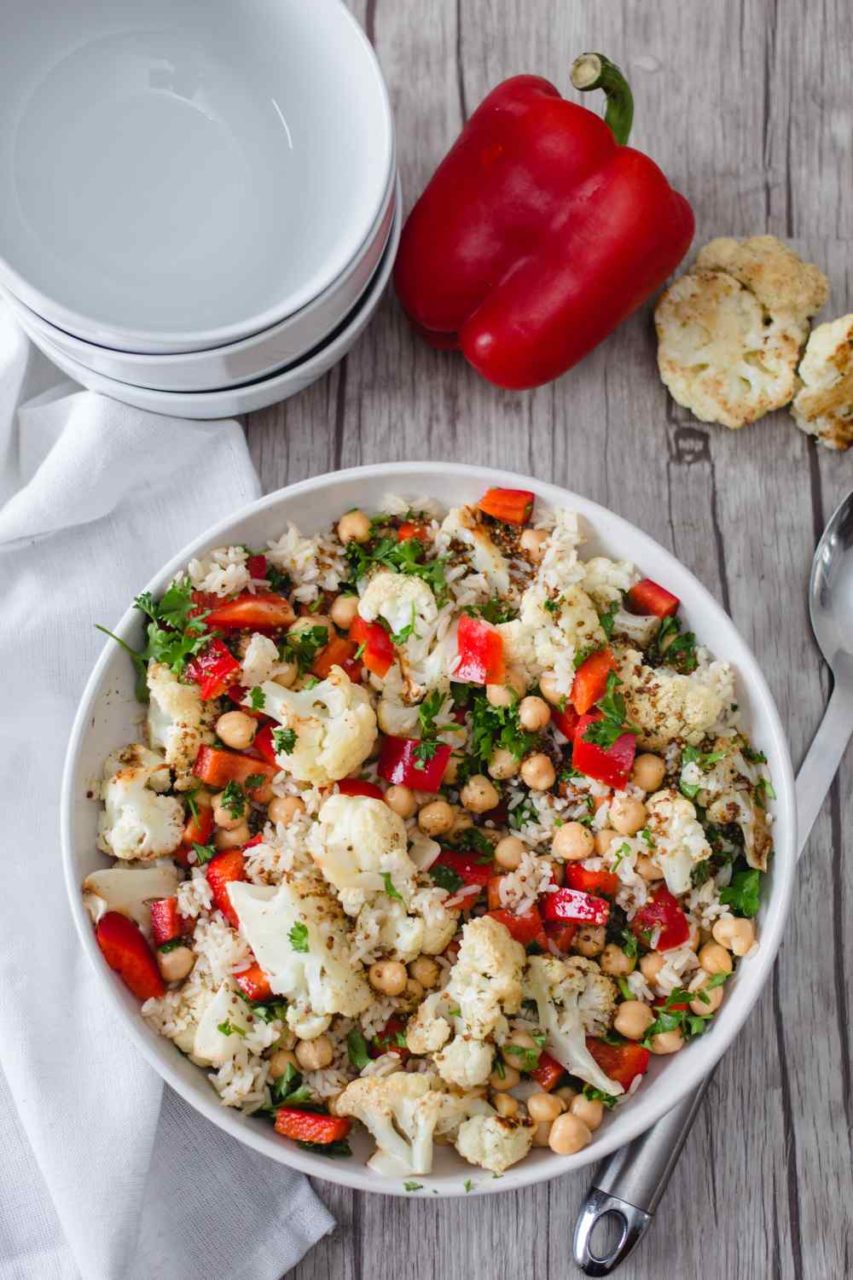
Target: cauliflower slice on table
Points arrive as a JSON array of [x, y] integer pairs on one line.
[[823, 406], [178, 721], [359, 845], [667, 706], [462, 525], [138, 823], [494, 1142], [772, 271], [333, 723], [574, 999], [679, 839], [129, 890]]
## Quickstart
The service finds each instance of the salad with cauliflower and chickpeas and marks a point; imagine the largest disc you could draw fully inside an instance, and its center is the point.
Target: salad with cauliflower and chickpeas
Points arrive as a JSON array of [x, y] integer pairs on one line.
[[436, 827]]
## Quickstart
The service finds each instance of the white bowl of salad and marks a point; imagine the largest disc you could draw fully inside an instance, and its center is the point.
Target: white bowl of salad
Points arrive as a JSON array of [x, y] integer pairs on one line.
[[452, 839]]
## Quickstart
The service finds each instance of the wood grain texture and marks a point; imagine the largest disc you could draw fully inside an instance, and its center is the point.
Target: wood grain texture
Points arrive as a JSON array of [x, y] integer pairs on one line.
[[747, 106]]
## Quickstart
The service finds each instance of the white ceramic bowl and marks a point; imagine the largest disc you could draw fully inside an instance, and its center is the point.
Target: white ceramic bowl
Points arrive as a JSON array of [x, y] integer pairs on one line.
[[248, 397], [258, 356], [180, 174], [108, 718]]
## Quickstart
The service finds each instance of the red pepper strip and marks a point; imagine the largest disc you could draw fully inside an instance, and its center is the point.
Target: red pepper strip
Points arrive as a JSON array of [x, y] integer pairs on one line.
[[409, 529], [311, 1126], [572, 904], [561, 933], [577, 877], [466, 866], [566, 721], [398, 763], [125, 950], [265, 745], [217, 768], [648, 597], [167, 923], [621, 1062], [611, 765], [378, 652], [548, 1073], [512, 506], [525, 928], [388, 1038], [661, 909], [257, 566], [254, 984], [214, 669], [359, 787], [197, 831], [539, 233], [481, 652], [221, 871], [590, 682], [263, 609], [337, 653]]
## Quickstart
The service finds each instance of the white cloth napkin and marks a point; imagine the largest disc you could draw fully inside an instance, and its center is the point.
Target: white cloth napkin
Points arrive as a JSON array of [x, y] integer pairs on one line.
[[105, 1174]]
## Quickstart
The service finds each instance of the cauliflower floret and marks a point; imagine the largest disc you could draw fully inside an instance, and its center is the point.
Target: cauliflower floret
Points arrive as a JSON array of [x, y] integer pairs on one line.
[[465, 1062], [178, 721], [727, 790], [823, 406], [666, 706], [485, 981], [574, 1000], [403, 600], [137, 822], [429, 1030], [129, 890], [778, 277], [680, 841], [462, 525], [221, 1028], [549, 632], [430, 903], [261, 661], [298, 935], [494, 1142], [359, 844], [607, 580], [334, 724]]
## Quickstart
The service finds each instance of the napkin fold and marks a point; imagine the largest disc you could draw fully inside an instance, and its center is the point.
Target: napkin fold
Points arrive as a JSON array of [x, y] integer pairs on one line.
[[107, 1174]]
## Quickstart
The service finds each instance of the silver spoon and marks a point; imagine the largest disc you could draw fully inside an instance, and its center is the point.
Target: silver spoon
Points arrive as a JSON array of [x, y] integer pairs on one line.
[[628, 1186]]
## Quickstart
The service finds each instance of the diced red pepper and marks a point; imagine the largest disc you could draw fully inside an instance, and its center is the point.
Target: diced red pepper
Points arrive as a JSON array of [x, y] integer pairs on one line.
[[561, 933], [678, 1007], [566, 720], [199, 826], [590, 682], [525, 927], [649, 597], [217, 768], [572, 904], [360, 787], [126, 951], [390, 1039], [264, 609], [221, 871], [661, 909], [611, 765], [577, 877], [378, 652], [167, 923], [257, 566], [311, 1126], [481, 652], [512, 506], [410, 529], [337, 653], [214, 670], [265, 746], [549, 1072], [398, 763], [621, 1062], [467, 867], [254, 983]]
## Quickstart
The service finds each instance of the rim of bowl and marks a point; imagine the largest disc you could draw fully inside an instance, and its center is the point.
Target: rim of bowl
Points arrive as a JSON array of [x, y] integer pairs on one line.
[[185, 342], [701, 1055]]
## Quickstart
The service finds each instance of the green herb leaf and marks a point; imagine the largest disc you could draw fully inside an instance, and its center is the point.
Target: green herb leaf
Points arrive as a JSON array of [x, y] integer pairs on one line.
[[283, 740], [413, 1186], [233, 800], [598, 1095], [357, 1049], [257, 698], [613, 723], [407, 557], [468, 1185], [743, 894], [331, 1150], [227, 1028], [298, 937], [446, 878], [390, 888], [608, 617], [203, 853], [303, 645], [523, 1058]]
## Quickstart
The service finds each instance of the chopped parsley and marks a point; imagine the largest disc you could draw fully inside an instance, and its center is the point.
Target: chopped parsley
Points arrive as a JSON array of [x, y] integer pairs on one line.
[[613, 723], [401, 636], [357, 1049], [298, 937], [446, 878], [763, 792], [495, 611], [257, 698], [303, 645], [254, 781], [172, 634], [598, 1095], [288, 1089], [390, 887], [753, 756], [283, 740], [203, 853], [673, 648], [552, 607], [233, 799], [523, 1057], [608, 618], [227, 1028], [497, 727], [427, 712], [704, 760], [279, 582], [647, 837], [332, 1150], [468, 1185], [413, 1186], [671, 1018], [744, 892], [401, 557]]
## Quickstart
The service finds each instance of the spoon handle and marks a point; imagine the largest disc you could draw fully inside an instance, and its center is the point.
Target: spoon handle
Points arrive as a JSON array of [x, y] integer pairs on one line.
[[822, 760]]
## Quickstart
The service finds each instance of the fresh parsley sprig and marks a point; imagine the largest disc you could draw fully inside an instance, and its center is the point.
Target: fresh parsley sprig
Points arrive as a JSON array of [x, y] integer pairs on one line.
[[613, 722]]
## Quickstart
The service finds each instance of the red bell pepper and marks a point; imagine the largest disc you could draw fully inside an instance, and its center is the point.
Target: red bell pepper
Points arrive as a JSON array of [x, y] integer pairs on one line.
[[254, 983], [390, 1039], [167, 923], [398, 763], [410, 529], [549, 1072], [577, 877], [257, 566], [264, 745], [214, 669], [566, 720], [661, 909], [360, 787], [125, 950], [466, 866], [265, 610], [221, 871], [525, 928], [311, 1126], [573, 904], [561, 933], [512, 506], [540, 231], [621, 1062], [590, 682], [649, 597], [481, 652], [199, 827], [377, 649], [337, 653], [217, 768], [611, 765]]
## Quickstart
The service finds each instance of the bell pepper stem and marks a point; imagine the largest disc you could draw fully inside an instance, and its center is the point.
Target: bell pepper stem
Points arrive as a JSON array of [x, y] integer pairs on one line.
[[594, 71]]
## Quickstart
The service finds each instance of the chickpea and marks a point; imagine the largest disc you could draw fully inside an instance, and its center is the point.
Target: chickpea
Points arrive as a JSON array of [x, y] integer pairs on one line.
[[568, 1135], [388, 976], [233, 838], [354, 527], [651, 965], [550, 692], [402, 800], [479, 794], [627, 815], [604, 839], [505, 1104], [436, 818], [544, 1107], [236, 729], [344, 611], [425, 971], [666, 1042], [714, 958], [286, 674], [589, 1110], [533, 713], [175, 965], [648, 868], [736, 935], [414, 991], [451, 770], [509, 852], [308, 622], [503, 764], [633, 1019], [283, 809], [615, 961], [224, 818], [314, 1055], [572, 842], [517, 1046], [566, 1094], [649, 772], [542, 1134], [533, 542], [537, 772], [589, 940], [502, 1083], [280, 1061], [707, 1001], [508, 693]]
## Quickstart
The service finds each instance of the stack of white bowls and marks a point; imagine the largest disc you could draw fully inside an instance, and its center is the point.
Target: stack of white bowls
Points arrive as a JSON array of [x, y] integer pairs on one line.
[[199, 201]]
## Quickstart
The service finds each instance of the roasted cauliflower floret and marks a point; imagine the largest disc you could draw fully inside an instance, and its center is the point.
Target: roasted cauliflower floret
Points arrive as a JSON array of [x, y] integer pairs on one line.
[[359, 844], [178, 721], [261, 661], [606, 581], [333, 723], [462, 525], [823, 406], [778, 277], [666, 706], [403, 601], [729, 788], [465, 1062], [679, 839], [429, 1030], [129, 890], [550, 631], [485, 981], [138, 823], [494, 1142], [574, 1000]]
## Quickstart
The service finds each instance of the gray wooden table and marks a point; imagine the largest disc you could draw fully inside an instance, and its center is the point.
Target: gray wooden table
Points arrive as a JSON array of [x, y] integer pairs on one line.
[[748, 107]]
